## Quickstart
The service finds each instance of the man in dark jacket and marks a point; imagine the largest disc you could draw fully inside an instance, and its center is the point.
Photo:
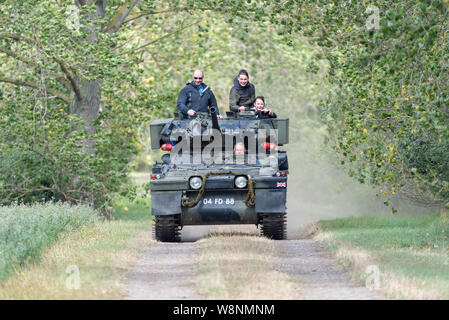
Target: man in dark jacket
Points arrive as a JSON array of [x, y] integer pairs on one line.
[[196, 96]]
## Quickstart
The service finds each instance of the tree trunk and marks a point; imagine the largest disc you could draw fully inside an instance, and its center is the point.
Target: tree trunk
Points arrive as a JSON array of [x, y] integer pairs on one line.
[[88, 106], [87, 109]]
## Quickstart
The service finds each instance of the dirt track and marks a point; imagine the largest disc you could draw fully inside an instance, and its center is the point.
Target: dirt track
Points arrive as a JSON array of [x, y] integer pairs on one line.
[[166, 270], [321, 277]]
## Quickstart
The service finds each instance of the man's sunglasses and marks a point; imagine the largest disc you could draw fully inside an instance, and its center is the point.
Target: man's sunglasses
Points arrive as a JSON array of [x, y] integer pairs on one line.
[[197, 78]]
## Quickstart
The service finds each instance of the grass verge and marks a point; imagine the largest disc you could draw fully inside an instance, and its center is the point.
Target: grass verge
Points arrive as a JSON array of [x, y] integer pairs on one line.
[[238, 266], [98, 255], [412, 254], [27, 230]]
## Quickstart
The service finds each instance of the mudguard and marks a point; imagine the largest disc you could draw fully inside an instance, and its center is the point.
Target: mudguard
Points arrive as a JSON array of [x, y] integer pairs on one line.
[[166, 203], [270, 200]]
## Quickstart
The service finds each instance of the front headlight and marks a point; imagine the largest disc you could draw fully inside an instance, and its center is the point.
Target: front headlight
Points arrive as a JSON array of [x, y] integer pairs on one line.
[[241, 182], [196, 182]]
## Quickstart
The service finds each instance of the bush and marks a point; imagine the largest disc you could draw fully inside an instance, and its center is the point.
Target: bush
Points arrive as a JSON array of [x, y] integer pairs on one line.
[[427, 157]]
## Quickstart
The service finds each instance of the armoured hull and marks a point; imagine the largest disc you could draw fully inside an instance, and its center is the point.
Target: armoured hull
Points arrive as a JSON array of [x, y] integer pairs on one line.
[[211, 193]]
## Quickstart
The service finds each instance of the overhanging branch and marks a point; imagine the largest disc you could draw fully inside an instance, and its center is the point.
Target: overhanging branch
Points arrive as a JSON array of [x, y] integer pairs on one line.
[[21, 83], [71, 80], [122, 13], [12, 36], [18, 37], [157, 11], [163, 37], [34, 65]]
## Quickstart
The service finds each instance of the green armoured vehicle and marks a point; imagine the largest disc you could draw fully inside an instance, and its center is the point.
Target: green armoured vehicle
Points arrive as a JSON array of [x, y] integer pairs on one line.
[[196, 186]]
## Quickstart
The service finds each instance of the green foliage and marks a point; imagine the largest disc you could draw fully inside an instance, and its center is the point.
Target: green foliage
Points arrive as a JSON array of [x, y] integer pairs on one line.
[[73, 99], [426, 158], [390, 87], [26, 230], [61, 137]]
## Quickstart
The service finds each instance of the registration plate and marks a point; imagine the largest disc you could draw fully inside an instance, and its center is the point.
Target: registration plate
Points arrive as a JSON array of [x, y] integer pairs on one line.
[[219, 201]]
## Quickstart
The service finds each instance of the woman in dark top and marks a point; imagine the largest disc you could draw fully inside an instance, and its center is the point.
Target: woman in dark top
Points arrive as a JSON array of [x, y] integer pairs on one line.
[[243, 93]]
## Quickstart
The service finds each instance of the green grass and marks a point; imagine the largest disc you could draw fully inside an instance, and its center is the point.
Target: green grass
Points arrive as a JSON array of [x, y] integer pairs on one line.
[[27, 230], [104, 251], [390, 232], [132, 210], [414, 249], [38, 243]]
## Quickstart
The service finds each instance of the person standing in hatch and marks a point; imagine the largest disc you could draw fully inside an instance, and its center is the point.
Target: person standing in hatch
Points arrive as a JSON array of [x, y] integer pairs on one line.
[[243, 93], [261, 111], [196, 96]]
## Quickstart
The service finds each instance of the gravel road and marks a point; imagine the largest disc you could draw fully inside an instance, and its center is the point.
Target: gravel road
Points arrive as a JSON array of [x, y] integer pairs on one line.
[[321, 277], [166, 270]]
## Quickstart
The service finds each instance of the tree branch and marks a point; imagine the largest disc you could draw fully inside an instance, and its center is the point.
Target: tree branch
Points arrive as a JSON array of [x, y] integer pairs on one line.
[[69, 77], [147, 13], [163, 37], [10, 36], [80, 3], [71, 80], [179, 9], [123, 12], [34, 65], [57, 94]]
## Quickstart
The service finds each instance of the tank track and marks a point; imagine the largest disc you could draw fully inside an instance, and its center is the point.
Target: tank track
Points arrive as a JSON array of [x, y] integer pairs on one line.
[[273, 225], [167, 228]]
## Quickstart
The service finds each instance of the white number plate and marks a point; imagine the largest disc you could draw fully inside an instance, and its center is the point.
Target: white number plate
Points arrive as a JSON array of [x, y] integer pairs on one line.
[[218, 201]]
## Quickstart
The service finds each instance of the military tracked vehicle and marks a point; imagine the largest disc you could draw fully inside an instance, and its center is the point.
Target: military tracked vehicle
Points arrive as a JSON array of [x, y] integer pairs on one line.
[[199, 185]]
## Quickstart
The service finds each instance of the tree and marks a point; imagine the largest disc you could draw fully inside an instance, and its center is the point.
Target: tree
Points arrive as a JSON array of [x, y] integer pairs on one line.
[[387, 113], [72, 96]]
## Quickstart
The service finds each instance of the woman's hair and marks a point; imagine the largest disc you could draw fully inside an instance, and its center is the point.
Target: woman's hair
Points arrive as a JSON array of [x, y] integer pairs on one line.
[[244, 72], [261, 98]]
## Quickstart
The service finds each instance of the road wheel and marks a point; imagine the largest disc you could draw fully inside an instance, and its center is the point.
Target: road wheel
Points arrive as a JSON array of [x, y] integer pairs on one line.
[[167, 228], [273, 225]]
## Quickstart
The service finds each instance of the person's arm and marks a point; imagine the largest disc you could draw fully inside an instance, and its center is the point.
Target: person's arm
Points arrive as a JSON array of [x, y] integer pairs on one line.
[[182, 102], [233, 100]]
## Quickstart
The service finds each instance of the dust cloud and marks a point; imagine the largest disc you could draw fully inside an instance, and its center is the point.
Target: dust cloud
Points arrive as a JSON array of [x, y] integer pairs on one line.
[[320, 189], [194, 233]]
